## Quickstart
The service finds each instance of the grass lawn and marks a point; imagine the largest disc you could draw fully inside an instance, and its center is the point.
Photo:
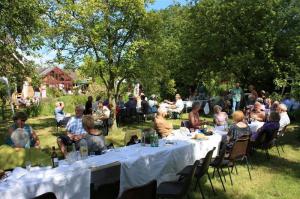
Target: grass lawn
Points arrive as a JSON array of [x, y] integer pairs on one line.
[[275, 178]]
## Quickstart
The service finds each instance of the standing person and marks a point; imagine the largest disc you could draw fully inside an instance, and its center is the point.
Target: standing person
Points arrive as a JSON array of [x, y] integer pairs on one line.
[[144, 105], [236, 97], [89, 106], [75, 131]]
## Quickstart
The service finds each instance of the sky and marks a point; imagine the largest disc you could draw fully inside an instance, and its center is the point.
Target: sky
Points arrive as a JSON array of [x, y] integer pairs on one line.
[[48, 55], [161, 4]]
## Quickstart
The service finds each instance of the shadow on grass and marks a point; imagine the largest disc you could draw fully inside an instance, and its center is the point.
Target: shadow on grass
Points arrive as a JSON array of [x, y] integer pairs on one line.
[[207, 190]]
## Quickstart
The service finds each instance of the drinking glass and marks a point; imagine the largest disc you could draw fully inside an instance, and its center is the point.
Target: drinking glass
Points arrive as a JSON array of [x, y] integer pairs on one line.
[[28, 165]]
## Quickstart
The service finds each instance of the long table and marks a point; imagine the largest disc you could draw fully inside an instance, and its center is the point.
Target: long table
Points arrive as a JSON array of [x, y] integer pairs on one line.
[[139, 165]]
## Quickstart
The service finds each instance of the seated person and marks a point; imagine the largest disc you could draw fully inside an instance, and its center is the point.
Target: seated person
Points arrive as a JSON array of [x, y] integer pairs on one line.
[[22, 135], [284, 117], [131, 105], [95, 103], [153, 104], [220, 118], [75, 131], [161, 125], [194, 118], [238, 129], [144, 105], [258, 112], [176, 106], [94, 137], [101, 113], [269, 127], [60, 115]]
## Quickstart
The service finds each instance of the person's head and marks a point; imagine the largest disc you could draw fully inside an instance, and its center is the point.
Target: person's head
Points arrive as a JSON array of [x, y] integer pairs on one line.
[[143, 97], [260, 100], [79, 109], [177, 96], [88, 122], [275, 105], [20, 119], [237, 85], [251, 87], [274, 117], [59, 104], [281, 108], [90, 98], [257, 105], [217, 109], [268, 101], [100, 104], [263, 93], [238, 116], [196, 106]]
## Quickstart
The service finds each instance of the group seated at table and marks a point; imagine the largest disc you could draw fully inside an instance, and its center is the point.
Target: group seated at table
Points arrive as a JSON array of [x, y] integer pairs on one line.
[[60, 116], [161, 125], [21, 135]]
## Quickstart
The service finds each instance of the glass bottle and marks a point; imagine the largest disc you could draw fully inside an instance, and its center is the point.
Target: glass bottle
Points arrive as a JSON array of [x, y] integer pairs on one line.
[[83, 149], [54, 158]]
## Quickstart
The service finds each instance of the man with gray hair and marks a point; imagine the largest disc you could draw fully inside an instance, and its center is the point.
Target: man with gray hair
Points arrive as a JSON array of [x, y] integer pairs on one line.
[[284, 117], [75, 130]]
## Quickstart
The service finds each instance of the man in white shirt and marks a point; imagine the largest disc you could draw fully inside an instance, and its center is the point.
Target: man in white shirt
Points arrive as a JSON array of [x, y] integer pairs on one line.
[[284, 117], [176, 106]]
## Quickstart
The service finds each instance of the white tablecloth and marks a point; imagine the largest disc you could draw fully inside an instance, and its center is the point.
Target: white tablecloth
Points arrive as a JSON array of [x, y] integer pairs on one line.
[[65, 182], [139, 165]]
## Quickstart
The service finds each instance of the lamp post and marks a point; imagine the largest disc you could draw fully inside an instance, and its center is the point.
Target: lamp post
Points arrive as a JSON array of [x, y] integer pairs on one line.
[[5, 81]]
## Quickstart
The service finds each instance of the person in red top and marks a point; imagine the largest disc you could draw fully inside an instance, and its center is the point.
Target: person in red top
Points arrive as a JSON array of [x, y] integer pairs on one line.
[[194, 118]]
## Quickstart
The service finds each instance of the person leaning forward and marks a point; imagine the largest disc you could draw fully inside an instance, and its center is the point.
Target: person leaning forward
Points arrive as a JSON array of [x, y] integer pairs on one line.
[[75, 131]]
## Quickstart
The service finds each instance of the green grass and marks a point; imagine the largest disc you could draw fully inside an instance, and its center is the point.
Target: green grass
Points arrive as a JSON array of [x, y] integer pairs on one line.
[[277, 178]]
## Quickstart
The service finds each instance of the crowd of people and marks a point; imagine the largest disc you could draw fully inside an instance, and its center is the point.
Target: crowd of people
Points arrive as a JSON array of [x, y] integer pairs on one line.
[[259, 116]]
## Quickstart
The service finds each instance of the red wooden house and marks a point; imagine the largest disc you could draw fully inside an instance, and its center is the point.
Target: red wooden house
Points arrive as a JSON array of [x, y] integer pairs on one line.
[[56, 77]]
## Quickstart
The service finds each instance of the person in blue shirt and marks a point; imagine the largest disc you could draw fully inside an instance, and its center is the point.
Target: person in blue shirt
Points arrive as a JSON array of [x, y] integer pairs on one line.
[[75, 131], [237, 93], [20, 126]]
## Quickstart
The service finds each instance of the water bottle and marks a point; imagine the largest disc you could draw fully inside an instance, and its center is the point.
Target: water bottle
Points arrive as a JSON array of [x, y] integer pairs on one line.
[[143, 141], [83, 149], [156, 139], [152, 139]]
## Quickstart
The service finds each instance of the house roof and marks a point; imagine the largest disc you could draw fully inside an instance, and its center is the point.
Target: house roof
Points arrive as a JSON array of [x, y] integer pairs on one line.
[[44, 71]]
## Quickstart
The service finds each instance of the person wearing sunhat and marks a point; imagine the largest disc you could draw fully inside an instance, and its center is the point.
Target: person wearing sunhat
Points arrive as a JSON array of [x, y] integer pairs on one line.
[[21, 135]]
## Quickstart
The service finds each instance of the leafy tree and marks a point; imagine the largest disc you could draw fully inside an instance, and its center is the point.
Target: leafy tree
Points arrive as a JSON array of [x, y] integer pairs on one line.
[[256, 41], [20, 27], [105, 36]]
